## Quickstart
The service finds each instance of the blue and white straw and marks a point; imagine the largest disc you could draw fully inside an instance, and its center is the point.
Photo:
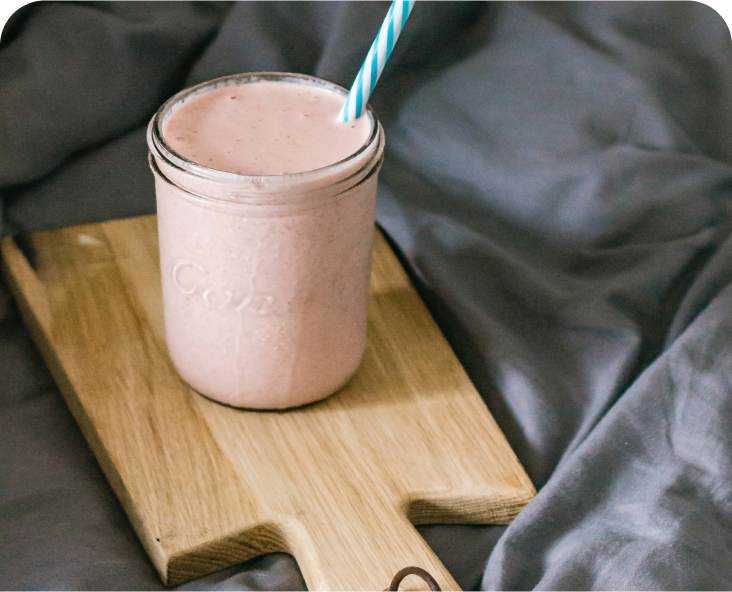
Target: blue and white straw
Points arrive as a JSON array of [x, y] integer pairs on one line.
[[375, 60]]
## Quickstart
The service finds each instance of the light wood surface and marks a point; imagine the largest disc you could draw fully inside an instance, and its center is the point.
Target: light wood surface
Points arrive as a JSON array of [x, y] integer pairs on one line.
[[339, 484]]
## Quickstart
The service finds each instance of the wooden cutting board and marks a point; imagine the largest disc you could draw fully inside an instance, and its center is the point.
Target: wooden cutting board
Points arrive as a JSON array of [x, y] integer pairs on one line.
[[338, 484]]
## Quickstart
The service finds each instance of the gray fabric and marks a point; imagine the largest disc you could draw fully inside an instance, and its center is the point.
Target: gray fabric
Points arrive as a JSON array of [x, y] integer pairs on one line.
[[558, 179]]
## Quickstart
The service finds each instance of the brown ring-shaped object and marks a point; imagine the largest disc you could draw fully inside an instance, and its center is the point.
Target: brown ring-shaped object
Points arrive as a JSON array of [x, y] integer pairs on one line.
[[412, 570]]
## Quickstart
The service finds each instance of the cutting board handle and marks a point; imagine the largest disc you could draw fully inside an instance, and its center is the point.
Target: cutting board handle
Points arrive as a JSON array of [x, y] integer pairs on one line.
[[377, 543]]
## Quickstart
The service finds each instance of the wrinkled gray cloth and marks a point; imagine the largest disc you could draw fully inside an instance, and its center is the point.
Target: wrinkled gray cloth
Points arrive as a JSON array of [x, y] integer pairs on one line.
[[558, 178]]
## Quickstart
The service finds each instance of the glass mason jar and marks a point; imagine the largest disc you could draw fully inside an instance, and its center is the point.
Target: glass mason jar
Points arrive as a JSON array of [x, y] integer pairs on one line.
[[265, 278]]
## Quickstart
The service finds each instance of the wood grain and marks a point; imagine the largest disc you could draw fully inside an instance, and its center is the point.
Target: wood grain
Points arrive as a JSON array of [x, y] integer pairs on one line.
[[339, 484]]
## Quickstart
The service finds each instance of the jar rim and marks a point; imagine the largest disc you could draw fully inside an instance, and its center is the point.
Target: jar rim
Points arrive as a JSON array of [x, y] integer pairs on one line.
[[160, 147]]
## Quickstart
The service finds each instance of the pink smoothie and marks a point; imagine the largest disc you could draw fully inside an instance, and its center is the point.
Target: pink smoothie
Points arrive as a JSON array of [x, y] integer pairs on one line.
[[265, 278], [267, 128]]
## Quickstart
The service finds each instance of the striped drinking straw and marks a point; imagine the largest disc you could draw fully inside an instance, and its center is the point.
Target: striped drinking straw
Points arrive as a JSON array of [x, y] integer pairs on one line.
[[375, 60]]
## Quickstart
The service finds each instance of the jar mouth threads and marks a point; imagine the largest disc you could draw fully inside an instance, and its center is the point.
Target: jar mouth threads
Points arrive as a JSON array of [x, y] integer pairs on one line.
[[286, 199], [162, 150], [216, 188]]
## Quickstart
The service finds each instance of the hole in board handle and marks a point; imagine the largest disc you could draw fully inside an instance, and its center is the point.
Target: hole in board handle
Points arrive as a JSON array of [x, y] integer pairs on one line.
[[412, 570]]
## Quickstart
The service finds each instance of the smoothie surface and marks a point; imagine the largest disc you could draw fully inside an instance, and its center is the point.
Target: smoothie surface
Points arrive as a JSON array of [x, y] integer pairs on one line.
[[265, 128]]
